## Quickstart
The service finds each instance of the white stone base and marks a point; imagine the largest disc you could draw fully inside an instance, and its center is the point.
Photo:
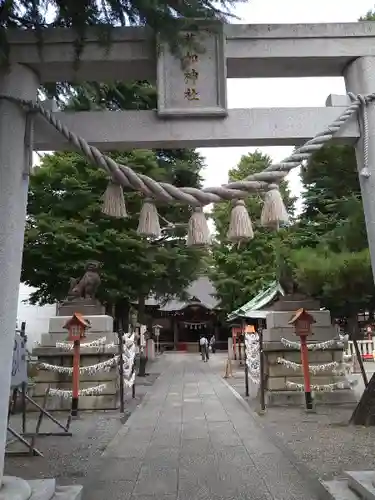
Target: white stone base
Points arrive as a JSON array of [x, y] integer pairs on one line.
[[278, 326], [280, 319], [50, 339], [15, 488], [151, 349], [99, 324]]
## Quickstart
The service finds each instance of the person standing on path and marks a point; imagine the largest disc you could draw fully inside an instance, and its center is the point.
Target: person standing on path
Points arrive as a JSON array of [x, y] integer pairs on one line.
[[213, 343], [203, 342]]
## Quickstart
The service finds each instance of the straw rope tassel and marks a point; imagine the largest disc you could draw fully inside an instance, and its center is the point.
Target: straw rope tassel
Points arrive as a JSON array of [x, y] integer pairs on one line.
[[240, 226], [149, 224], [198, 231], [274, 212], [114, 201]]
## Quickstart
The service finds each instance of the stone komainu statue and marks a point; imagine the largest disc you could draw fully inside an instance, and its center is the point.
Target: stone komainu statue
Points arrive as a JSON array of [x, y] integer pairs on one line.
[[286, 278], [86, 287]]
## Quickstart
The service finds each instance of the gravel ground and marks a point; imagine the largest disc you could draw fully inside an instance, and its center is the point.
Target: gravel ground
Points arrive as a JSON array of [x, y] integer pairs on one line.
[[70, 459], [324, 441]]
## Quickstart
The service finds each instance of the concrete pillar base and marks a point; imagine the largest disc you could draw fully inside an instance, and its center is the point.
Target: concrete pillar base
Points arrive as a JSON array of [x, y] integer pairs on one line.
[[15, 488]]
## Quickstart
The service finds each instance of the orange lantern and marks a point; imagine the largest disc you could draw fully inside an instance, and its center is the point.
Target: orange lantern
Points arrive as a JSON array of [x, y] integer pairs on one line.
[[302, 321], [77, 326]]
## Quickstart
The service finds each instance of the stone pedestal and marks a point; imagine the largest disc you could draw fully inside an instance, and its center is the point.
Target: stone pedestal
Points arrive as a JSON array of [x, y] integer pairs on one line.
[[277, 375], [86, 307], [47, 352], [230, 347], [150, 349], [37, 489]]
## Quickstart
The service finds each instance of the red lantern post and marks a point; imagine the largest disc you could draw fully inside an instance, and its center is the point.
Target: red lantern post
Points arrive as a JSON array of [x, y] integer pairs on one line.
[[302, 322], [77, 326]]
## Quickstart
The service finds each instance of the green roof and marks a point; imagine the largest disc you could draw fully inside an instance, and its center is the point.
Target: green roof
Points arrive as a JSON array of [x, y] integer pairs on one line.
[[258, 302]]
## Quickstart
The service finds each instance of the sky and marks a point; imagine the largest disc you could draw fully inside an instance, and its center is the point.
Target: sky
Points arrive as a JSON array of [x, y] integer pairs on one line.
[[280, 92]]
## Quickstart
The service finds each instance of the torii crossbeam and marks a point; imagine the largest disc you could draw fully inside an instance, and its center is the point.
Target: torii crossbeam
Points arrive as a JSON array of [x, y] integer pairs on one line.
[[240, 51]]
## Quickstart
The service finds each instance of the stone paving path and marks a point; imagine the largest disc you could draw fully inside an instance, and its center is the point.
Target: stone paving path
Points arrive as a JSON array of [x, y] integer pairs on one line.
[[191, 439]]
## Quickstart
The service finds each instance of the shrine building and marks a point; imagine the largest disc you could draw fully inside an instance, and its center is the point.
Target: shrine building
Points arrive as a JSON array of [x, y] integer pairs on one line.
[[184, 321]]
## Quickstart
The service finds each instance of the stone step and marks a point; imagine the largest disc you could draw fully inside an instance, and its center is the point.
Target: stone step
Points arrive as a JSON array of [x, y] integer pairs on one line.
[[338, 489], [37, 489], [50, 339], [42, 489], [73, 492], [297, 398], [362, 483]]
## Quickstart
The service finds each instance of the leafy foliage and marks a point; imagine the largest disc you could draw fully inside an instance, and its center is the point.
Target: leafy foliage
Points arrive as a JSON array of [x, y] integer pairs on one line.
[[165, 18], [343, 281], [65, 228], [332, 200], [334, 265], [240, 271]]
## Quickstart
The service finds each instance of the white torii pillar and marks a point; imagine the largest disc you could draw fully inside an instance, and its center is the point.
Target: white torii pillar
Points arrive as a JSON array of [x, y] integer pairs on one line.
[[360, 79], [17, 81]]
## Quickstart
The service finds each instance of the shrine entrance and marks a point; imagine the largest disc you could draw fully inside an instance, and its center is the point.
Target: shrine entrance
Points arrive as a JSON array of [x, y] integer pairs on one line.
[[194, 321], [192, 112], [182, 322]]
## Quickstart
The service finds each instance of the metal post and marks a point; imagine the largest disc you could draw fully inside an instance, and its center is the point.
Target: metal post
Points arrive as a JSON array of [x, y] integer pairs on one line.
[[120, 334], [360, 79], [306, 373], [246, 377], [75, 376], [15, 160], [261, 372]]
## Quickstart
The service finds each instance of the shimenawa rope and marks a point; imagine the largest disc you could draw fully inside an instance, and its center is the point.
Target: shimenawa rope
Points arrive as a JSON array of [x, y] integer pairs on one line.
[[274, 212]]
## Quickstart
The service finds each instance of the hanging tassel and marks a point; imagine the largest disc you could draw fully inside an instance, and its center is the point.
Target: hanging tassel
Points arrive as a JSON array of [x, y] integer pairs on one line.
[[240, 226], [198, 231], [148, 224], [114, 201], [274, 212]]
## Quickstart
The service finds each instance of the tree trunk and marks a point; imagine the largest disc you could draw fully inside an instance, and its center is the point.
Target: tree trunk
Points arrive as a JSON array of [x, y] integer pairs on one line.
[[364, 414], [122, 315], [353, 330], [142, 309]]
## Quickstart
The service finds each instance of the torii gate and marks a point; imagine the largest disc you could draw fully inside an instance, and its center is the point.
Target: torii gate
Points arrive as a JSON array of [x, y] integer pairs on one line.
[[236, 51]]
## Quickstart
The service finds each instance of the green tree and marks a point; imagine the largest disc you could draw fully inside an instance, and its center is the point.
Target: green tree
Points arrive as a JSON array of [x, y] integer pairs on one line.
[[65, 228], [332, 207], [334, 266], [163, 17], [342, 281], [240, 271]]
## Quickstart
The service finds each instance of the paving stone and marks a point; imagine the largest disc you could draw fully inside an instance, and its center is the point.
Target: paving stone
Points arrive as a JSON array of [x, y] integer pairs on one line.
[[196, 446], [154, 497], [163, 456], [193, 440], [139, 435], [126, 450], [171, 439], [195, 430], [112, 469], [100, 490], [153, 480], [236, 456], [193, 418], [282, 477]]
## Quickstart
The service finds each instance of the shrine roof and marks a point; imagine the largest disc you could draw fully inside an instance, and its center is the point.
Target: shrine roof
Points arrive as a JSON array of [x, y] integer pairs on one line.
[[200, 291], [257, 303]]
